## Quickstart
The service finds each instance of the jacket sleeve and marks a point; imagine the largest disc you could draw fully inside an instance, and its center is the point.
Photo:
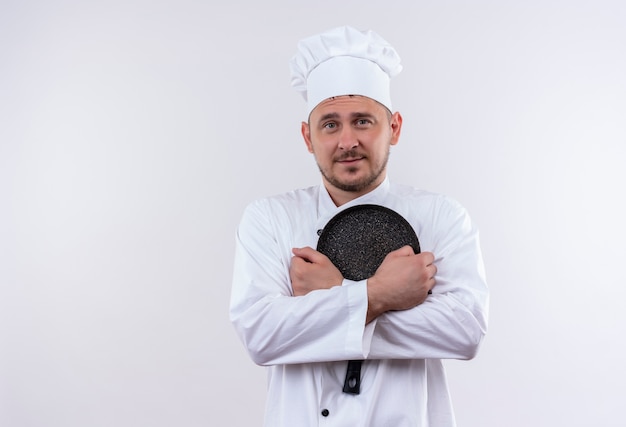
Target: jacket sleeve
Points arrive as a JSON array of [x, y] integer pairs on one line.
[[452, 322], [276, 327]]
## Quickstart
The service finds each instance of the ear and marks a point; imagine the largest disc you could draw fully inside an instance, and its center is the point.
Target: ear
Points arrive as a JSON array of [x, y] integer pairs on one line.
[[306, 134], [396, 127]]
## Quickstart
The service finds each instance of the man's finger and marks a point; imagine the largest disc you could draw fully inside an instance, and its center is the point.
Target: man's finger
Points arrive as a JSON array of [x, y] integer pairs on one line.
[[308, 254], [403, 251]]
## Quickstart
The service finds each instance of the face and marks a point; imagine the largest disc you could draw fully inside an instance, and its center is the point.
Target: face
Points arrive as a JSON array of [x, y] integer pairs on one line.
[[350, 137]]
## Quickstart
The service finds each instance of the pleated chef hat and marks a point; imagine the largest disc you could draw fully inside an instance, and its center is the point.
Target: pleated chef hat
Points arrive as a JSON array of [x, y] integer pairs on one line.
[[344, 61]]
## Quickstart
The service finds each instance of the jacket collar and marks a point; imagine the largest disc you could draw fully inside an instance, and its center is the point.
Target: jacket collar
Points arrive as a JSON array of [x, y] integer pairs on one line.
[[326, 208]]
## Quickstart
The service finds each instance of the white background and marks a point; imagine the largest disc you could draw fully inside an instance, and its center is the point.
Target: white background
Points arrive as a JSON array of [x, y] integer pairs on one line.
[[133, 133]]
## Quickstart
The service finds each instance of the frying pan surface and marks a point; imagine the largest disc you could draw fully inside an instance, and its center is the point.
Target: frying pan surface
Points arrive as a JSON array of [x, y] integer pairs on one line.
[[358, 238]]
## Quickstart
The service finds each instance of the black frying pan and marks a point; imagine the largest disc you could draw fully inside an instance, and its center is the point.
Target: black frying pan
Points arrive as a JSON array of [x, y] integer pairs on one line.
[[357, 240]]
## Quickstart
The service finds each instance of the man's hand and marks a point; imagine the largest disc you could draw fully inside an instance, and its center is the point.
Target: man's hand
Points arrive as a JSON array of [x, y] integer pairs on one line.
[[401, 282], [311, 270]]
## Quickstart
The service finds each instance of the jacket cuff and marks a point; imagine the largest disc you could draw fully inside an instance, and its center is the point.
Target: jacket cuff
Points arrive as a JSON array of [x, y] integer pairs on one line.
[[360, 335]]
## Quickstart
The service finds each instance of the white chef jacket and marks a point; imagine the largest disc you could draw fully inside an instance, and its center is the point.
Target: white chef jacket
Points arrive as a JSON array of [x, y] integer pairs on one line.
[[305, 341]]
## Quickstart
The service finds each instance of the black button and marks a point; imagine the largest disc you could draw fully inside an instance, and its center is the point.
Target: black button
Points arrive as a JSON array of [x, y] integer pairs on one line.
[[325, 412]]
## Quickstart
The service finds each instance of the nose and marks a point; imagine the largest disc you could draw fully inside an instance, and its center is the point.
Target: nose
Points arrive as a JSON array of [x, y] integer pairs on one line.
[[347, 138]]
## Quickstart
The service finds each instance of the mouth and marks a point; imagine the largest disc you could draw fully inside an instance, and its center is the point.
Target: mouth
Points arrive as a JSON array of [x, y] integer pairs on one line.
[[350, 160]]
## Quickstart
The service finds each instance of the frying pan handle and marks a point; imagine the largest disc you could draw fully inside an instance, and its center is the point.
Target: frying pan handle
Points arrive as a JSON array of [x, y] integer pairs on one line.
[[352, 383]]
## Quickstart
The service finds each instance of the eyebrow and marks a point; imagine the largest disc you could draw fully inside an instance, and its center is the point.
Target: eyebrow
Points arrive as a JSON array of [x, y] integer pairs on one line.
[[355, 115], [328, 116]]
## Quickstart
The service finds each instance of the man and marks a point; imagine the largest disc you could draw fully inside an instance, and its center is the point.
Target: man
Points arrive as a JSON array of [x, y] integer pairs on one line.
[[298, 315]]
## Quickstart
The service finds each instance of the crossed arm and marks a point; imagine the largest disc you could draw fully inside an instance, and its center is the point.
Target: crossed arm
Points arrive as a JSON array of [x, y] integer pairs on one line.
[[293, 306], [401, 282]]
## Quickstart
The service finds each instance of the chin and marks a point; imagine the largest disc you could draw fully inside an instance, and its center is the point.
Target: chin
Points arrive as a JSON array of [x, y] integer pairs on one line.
[[353, 186]]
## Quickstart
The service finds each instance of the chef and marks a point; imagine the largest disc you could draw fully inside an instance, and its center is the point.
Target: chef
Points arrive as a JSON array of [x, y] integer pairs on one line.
[[292, 308]]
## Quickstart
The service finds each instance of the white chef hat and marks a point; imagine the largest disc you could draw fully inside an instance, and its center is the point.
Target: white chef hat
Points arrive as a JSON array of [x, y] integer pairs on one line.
[[344, 61]]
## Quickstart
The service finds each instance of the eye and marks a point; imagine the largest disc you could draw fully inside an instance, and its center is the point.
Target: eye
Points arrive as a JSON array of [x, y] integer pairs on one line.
[[330, 125], [363, 122]]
